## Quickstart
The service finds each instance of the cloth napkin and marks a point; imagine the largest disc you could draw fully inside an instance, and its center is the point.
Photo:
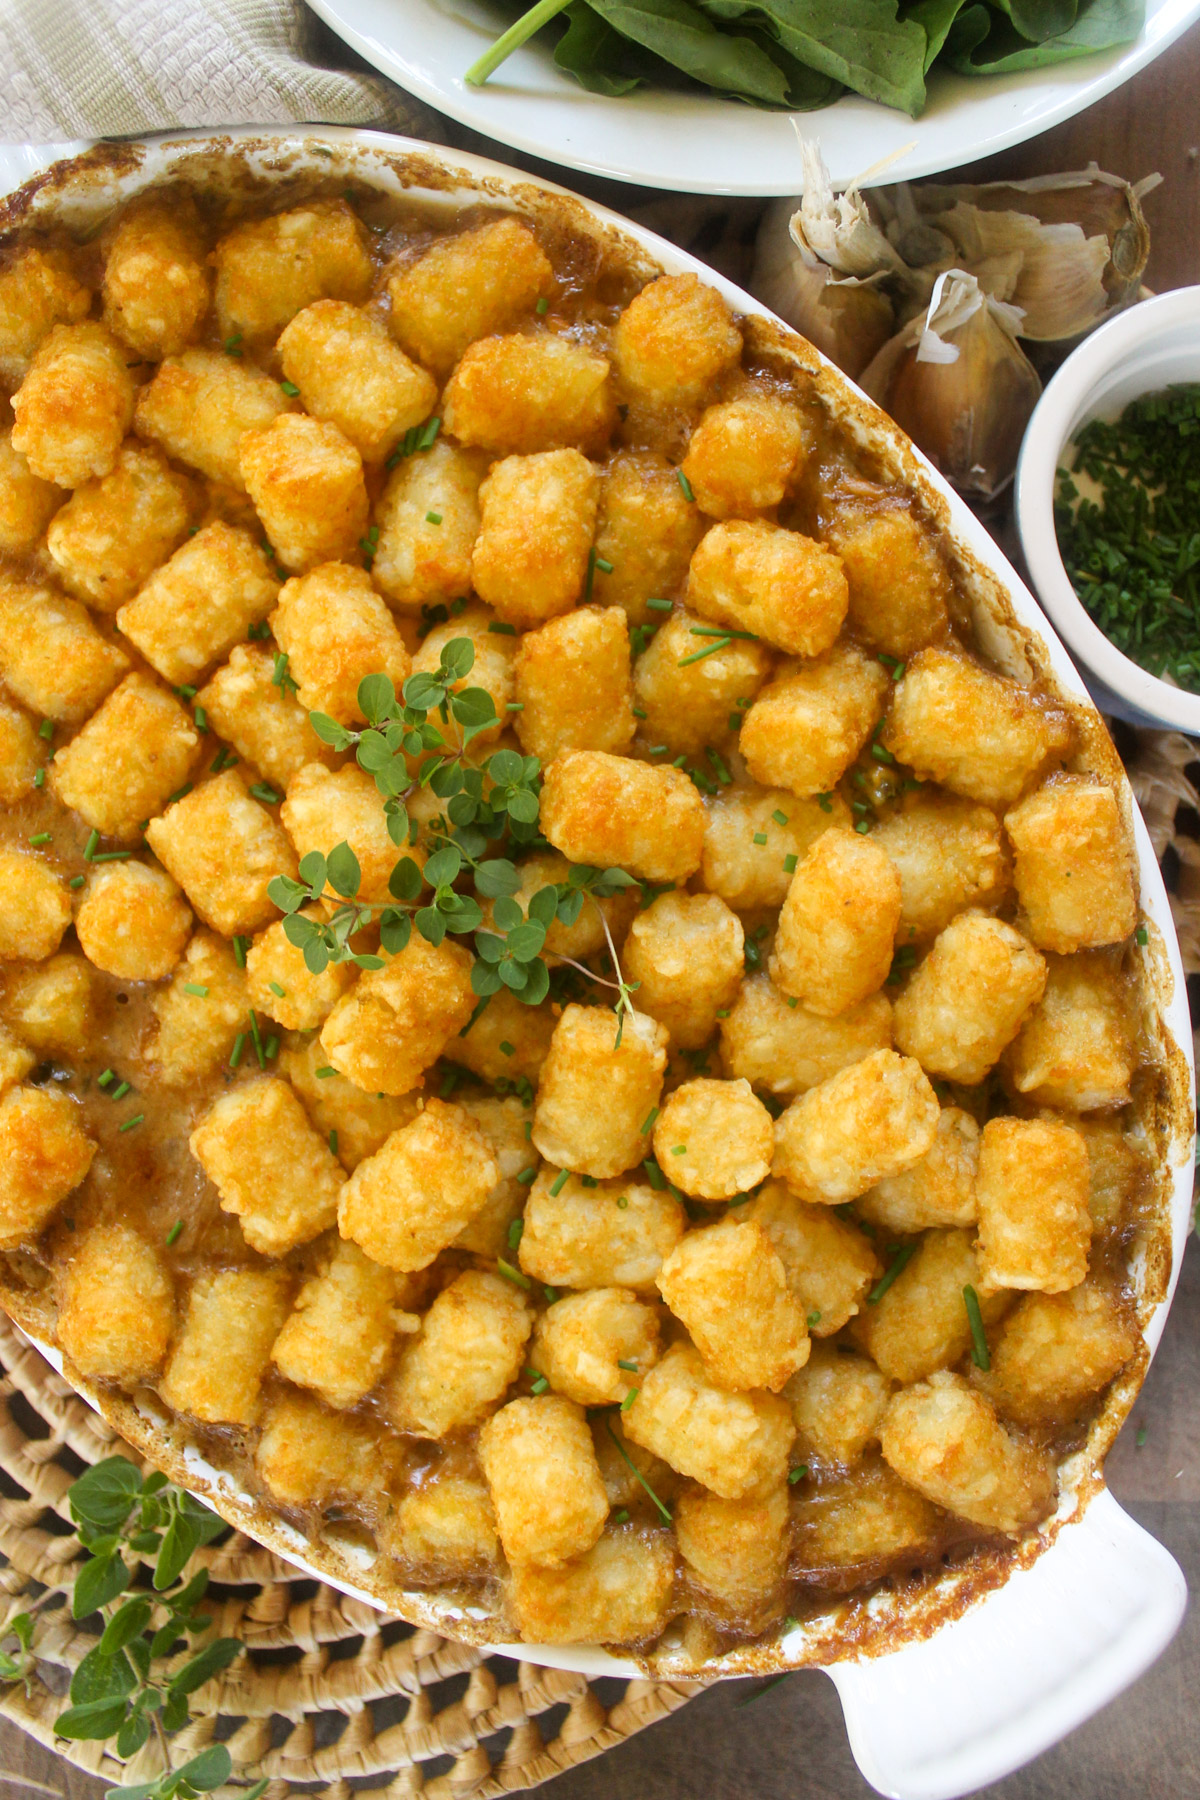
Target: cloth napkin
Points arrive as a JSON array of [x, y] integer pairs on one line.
[[113, 68]]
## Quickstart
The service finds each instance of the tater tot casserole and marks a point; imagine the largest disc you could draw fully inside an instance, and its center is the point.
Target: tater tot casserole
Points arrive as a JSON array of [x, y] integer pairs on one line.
[[564, 1017]]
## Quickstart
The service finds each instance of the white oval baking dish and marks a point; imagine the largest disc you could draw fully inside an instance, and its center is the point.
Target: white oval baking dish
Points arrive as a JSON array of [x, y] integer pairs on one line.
[[989, 1672]]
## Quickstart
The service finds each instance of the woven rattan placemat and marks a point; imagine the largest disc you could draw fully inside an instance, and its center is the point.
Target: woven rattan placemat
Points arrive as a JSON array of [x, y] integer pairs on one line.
[[334, 1696]]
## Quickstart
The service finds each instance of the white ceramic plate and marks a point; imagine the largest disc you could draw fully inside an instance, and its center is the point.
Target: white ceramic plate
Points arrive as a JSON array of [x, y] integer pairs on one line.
[[700, 145]]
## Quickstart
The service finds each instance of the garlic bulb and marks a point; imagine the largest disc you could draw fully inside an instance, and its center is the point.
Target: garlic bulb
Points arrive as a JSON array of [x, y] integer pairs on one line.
[[958, 382], [848, 319]]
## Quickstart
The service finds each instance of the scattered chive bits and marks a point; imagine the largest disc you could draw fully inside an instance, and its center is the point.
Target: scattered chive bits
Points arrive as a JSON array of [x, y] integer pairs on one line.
[[77, 881], [515, 1231], [542, 307], [224, 759], [333, 1142], [510, 1274], [325, 1073], [896, 1267], [979, 1344], [132, 1124], [500, 628], [266, 794], [290, 389], [659, 605], [46, 730], [120, 1091], [197, 988], [431, 518], [39, 779], [780, 818], [175, 1233], [280, 993], [1130, 544], [760, 838], [631, 1367], [629, 1399], [233, 345], [797, 1474], [106, 1078], [685, 485], [560, 1181], [528, 1176], [622, 1517], [814, 1318], [41, 837], [1141, 936], [239, 1044], [240, 947], [789, 864]]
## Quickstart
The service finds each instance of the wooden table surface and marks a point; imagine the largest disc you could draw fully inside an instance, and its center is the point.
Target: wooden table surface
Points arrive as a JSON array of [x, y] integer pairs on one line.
[[790, 1744]]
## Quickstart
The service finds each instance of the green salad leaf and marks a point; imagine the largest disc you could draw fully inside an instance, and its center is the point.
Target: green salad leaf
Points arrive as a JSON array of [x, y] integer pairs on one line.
[[935, 17], [597, 56], [862, 43], [684, 36], [986, 42]]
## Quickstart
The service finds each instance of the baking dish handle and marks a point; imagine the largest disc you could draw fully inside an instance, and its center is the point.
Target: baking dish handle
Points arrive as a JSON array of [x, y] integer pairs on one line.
[[1021, 1668]]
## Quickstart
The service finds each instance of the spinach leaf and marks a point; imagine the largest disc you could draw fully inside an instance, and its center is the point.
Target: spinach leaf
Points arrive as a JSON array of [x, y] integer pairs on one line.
[[596, 55], [980, 43], [935, 17], [1038, 20], [862, 43], [682, 35]]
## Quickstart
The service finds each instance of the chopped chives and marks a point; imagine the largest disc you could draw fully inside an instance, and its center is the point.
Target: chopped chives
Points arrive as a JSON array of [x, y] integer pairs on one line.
[[500, 628], [623, 1452], [631, 1366], [239, 1044], [233, 345], [881, 755], [113, 856], [256, 1038], [527, 1176], [551, 1294], [76, 881], [197, 988], [760, 837], [685, 484], [433, 518], [629, 1399], [1141, 936], [224, 759], [825, 802], [175, 1233], [333, 1142], [90, 848], [516, 706], [106, 1078], [678, 1149], [325, 1073], [658, 750], [734, 721], [542, 307], [979, 1343], [130, 1123], [528, 1129], [862, 826], [797, 1474], [120, 1092], [789, 865], [723, 1012], [654, 1175], [539, 1385], [588, 1181], [271, 1047], [719, 764], [648, 1121], [200, 717], [506, 1049], [723, 631], [658, 605], [39, 779], [780, 818], [622, 1517], [623, 1201], [792, 1001], [814, 1318], [179, 793], [46, 730], [239, 950], [679, 761], [280, 993], [560, 1181], [511, 1274], [897, 1265], [41, 837], [266, 794], [290, 389], [722, 643], [186, 692], [604, 566], [638, 712]]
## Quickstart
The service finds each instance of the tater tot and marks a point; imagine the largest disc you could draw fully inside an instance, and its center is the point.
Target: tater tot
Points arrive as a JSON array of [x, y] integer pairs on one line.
[[52, 658], [778, 584], [306, 481], [35, 907], [16, 1059], [807, 726], [1118, 1168], [309, 1456], [538, 517], [116, 1305], [946, 1441], [468, 1352], [686, 950], [594, 1347], [44, 1155], [444, 1530], [921, 1322], [49, 1005], [418, 562], [736, 1550], [876, 1118], [200, 1014], [75, 405], [355, 1124], [727, 1285], [21, 752], [396, 1021], [156, 285], [352, 376], [1035, 1228], [776, 1044], [335, 630], [112, 534], [571, 680], [596, 1094], [950, 854], [200, 603], [689, 704], [269, 269], [247, 707], [199, 405], [132, 754], [507, 1041], [744, 455], [504, 1123], [133, 922], [583, 1237], [27, 502], [1055, 1352], [837, 927], [837, 1402], [862, 1521], [714, 1139], [968, 998], [223, 848], [981, 735], [673, 340], [828, 1262], [38, 290], [338, 1337], [325, 807], [900, 587], [1076, 1049], [614, 812], [619, 1591], [413, 1197], [1072, 865], [749, 874], [268, 1165], [646, 532], [544, 1480], [518, 396], [939, 1190], [731, 1443], [223, 1348], [281, 984], [467, 286]]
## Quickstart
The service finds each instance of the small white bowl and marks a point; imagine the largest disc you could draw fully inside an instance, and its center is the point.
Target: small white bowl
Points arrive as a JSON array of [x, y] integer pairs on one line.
[[1152, 346]]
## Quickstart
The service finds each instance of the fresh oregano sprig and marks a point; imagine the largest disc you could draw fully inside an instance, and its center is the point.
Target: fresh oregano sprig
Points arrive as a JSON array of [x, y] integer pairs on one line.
[[122, 1689]]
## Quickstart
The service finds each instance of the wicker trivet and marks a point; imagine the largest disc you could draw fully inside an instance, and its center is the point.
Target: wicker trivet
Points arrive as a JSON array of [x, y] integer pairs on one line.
[[334, 1694]]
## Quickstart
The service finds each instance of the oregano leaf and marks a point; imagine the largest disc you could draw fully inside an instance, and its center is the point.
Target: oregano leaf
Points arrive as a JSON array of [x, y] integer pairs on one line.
[[345, 875], [376, 698]]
